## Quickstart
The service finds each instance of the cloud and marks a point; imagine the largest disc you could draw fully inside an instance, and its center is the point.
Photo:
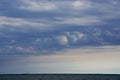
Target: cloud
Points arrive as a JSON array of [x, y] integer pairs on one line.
[[38, 6], [33, 5], [21, 23], [29, 50], [83, 21], [58, 25], [79, 7], [104, 59], [48, 35], [81, 4], [62, 39], [107, 10], [19, 44], [78, 12], [10, 21], [75, 37]]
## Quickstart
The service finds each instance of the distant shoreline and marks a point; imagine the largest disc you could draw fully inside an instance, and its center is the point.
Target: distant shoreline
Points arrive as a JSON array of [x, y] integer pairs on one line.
[[59, 76], [56, 74]]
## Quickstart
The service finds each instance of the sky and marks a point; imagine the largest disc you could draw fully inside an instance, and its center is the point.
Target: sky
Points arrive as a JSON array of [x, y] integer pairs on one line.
[[59, 36]]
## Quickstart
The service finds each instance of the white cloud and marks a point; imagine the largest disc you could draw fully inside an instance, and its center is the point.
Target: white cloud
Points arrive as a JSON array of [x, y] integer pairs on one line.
[[107, 10], [17, 22], [73, 38], [33, 5], [103, 59], [110, 8], [76, 36], [38, 40], [85, 21], [38, 6], [29, 49], [79, 35], [21, 23], [80, 4], [19, 49], [62, 40]]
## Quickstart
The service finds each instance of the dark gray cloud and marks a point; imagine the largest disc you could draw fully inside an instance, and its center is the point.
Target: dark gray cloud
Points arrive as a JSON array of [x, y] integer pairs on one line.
[[36, 42], [44, 27]]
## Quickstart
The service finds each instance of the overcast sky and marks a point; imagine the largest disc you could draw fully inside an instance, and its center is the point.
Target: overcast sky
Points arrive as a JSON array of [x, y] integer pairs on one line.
[[60, 36]]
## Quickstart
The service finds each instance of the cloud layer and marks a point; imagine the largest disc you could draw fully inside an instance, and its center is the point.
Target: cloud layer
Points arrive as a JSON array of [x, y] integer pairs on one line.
[[25, 42], [32, 26], [59, 36], [103, 60]]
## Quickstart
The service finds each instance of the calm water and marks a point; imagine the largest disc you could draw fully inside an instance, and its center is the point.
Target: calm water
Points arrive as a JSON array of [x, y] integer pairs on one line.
[[59, 77]]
